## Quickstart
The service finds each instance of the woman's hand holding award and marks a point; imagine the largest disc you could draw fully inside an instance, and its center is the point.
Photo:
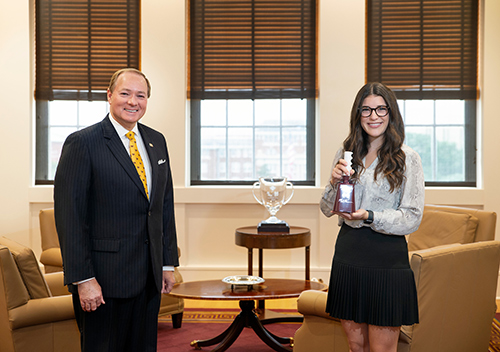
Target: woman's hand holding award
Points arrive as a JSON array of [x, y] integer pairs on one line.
[[344, 200]]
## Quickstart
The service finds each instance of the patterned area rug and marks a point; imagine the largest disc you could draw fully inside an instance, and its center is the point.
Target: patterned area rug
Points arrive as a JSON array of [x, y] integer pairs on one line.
[[219, 315], [206, 315], [198, 323], [495, 335]]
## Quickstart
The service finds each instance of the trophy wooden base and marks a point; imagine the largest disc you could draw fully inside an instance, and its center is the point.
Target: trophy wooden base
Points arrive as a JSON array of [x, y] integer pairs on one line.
[[281, 226]]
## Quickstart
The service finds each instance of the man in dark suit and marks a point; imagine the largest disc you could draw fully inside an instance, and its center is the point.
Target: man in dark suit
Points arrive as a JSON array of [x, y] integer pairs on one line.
[[117, 228]]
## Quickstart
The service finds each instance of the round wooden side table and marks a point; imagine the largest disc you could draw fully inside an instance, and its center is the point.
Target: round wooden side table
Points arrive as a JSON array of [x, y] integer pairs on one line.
[[250, 238]]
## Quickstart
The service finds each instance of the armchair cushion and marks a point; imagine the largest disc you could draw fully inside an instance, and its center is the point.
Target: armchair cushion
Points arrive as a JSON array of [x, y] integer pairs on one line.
[[15, 292], [42, 311], [442, 227], [28, 267]]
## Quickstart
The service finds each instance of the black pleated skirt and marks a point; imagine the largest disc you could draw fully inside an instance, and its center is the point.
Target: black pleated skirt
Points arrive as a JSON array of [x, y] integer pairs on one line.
[[371, 280]]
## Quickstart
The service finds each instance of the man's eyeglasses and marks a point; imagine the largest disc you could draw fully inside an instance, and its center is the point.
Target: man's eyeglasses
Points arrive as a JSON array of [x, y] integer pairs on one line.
[[380, 110]]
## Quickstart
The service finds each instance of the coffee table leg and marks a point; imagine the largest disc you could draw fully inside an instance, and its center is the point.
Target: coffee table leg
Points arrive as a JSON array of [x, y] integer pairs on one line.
[[308, 263], [250, 261], [273, 341], [226, 338], [247, 317], [261, 303]]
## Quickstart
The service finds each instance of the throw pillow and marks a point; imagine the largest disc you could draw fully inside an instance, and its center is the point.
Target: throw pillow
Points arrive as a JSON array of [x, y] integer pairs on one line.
[[28, 268], [441, 228]]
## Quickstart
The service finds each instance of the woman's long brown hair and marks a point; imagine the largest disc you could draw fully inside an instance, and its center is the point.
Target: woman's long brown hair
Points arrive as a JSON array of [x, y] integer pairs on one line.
[[391, 157]]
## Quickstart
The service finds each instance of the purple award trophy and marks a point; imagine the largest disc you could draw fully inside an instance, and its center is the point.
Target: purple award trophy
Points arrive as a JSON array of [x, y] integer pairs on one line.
[[344, 200]]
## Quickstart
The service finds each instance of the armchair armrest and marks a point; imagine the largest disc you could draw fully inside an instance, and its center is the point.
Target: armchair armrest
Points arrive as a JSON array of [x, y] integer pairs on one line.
[[463, 275], [55, 281], [313, 302], [51, 256], [319, 331], [42, 311]]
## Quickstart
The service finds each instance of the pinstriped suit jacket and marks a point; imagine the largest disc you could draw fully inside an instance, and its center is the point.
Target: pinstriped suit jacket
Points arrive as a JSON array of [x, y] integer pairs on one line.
[[107, 227]]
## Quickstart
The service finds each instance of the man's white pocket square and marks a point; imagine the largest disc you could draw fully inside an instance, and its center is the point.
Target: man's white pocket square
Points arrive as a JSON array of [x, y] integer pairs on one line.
[[162, 161]]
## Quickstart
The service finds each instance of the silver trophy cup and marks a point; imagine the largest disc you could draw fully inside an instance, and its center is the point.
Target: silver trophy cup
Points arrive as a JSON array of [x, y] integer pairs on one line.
[[272, 194]]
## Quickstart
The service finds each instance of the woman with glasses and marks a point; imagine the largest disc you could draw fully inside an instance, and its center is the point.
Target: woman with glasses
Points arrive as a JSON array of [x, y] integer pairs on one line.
[[372, 289]]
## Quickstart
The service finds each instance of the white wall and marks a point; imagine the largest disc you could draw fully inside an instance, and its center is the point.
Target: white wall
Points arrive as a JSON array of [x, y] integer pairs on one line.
[[208, 216], [16, 120]]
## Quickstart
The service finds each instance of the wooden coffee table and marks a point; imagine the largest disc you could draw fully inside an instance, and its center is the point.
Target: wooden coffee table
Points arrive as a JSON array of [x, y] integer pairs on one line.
[[270, 289]]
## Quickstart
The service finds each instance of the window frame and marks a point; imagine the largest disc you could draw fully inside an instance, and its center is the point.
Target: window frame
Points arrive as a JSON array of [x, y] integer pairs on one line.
[[195, 162], [78, 46], [254, 76], [470, 170], [426, 51]]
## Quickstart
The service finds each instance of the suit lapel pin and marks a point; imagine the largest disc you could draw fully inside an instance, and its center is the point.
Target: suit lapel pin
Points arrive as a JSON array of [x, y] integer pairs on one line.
[[151, 145]]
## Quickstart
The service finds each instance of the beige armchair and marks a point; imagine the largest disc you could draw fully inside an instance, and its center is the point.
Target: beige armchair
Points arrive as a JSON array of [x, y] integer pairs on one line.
[[52, 260], [32, 317], [456, 286]]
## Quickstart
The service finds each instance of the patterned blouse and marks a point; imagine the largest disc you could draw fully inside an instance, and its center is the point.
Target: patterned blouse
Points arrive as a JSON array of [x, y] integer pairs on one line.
[[396, 213]]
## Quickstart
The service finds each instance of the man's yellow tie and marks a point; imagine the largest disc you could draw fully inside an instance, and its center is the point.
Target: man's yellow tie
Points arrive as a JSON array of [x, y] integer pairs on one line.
[[137, 160]]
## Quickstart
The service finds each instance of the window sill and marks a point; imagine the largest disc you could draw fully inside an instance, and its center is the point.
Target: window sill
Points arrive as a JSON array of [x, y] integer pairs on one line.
[[303, 195]]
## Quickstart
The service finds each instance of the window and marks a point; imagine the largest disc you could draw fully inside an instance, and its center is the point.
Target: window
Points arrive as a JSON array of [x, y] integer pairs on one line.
[[66, 117], [252, 90], [426, 51], [439, 131], [79, 45]]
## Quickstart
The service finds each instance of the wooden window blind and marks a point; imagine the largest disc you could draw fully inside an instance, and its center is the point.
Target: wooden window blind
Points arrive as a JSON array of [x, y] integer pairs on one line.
[[252, 49], [424, 49], [81, 43]]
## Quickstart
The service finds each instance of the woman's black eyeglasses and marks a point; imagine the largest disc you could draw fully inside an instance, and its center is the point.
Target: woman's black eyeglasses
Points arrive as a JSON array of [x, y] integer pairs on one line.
[[380, 110]]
